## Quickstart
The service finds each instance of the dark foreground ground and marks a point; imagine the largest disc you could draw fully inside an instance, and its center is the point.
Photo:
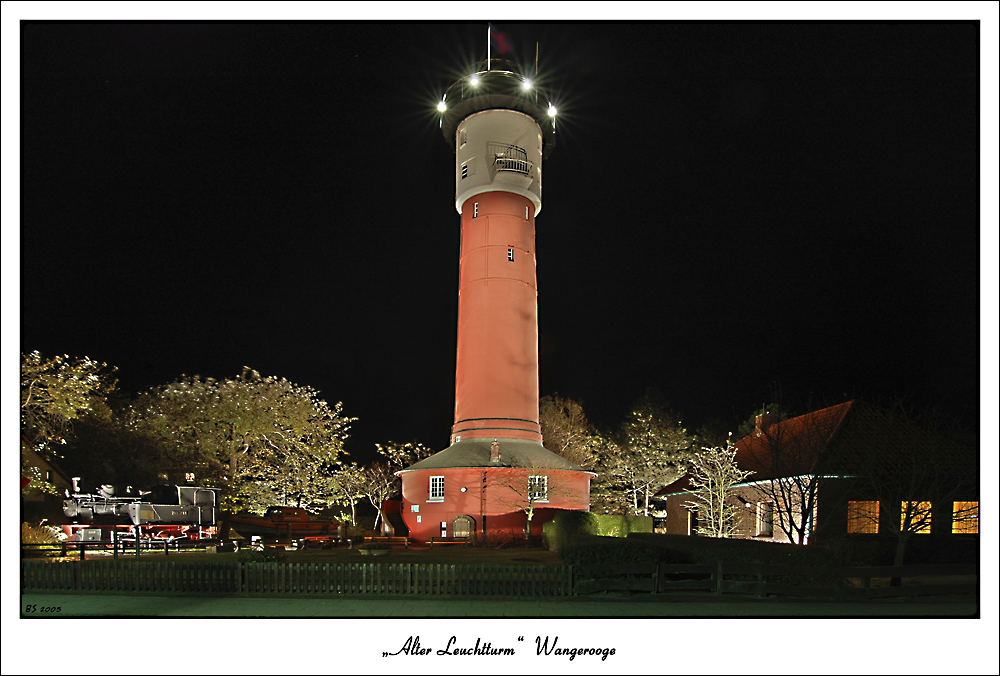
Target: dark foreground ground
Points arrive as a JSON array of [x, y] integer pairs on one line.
[[53, 605]]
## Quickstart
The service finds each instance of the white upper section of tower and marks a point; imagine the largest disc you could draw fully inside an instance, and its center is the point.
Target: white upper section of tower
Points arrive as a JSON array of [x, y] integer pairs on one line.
[[498, 150]]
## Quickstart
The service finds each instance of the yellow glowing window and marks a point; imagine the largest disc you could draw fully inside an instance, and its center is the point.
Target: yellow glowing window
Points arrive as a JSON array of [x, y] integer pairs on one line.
[[965, 517], [862, 516], [919, 516]]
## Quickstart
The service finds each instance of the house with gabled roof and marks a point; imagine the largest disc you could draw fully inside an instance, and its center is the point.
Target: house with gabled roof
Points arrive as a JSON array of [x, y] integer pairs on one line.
[[847, 470]]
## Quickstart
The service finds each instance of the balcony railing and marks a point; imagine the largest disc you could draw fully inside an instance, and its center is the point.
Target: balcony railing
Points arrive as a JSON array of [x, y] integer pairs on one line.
[[510, 158]]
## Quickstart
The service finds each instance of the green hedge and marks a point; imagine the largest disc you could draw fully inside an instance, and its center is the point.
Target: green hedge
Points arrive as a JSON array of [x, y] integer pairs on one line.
[[620, 525], [568, 526]]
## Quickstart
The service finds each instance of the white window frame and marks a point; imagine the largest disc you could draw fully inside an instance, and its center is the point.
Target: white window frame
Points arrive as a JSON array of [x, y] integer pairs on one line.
[[475, 209], [432, 495], [532, 490], [510, 254]]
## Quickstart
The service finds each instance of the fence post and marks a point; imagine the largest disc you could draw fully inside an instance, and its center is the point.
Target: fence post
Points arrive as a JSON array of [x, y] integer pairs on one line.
[[656, 578], [718, 576]]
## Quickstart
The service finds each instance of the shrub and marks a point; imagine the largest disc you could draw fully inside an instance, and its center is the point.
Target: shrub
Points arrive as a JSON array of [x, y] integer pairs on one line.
[[39, 535], [566, 527], [620, 525]]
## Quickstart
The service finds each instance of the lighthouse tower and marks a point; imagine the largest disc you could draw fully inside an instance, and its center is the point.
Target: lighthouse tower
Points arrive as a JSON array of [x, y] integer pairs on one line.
[[495, 478]]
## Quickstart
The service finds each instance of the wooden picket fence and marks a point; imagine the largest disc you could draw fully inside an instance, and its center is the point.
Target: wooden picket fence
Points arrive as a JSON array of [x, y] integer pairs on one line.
[[443, 579], [432, 579], [777, 581]]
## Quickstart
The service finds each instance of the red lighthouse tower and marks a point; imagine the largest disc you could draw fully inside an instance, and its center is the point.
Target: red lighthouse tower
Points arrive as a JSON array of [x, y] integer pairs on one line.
[[495, 478]]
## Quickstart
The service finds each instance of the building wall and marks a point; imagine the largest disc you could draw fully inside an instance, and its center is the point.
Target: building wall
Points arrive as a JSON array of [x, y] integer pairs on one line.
[[496, 370], [830, 517], [494, 494]]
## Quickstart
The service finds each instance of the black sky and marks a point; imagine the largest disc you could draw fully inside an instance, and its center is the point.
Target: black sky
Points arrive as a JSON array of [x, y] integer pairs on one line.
[[731, 208]]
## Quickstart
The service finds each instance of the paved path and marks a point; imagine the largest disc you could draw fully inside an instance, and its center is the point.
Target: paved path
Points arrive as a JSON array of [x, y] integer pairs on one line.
[[122, 605]]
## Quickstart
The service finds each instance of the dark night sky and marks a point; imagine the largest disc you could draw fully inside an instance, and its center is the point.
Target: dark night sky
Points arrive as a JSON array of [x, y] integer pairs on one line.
[[731, 208]]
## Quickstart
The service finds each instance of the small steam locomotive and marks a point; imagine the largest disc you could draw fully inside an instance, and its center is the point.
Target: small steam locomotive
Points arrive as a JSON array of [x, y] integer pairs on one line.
[[162, 513]]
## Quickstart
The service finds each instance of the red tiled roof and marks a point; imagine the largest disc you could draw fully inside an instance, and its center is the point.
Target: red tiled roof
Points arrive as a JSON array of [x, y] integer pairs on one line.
[[787, 448], [794, 446]]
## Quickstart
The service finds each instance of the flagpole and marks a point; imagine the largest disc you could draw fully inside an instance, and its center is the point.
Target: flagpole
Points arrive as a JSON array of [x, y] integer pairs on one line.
[[487, 46]]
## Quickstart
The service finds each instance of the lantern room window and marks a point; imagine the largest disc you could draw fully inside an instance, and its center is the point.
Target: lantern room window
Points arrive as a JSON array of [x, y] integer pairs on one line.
[[436, 489]]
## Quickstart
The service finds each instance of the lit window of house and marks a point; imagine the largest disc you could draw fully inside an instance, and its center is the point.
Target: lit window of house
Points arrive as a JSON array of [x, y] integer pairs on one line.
[[437, 489], [965, 517], [765, 519], [538, 488], [915, 516], [862, 516], [189, 477]]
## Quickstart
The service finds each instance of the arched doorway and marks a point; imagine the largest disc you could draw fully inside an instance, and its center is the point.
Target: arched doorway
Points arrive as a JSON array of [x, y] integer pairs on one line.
[[463, 526]]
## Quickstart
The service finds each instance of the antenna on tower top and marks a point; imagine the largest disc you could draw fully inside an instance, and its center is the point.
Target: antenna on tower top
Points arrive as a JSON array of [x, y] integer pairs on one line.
[[489, 39], [536, 58]]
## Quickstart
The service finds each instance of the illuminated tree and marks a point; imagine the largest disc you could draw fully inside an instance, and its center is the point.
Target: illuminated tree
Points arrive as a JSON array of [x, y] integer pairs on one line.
[[566, 430], [380, 484], [55, 392], [351, 483], [712, 475], [653, 451], [402, 455], [609, 491], [239, 433]]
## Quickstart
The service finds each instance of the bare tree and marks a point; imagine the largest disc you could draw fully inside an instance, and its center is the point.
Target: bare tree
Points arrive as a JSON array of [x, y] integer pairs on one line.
[[526, 489], [917, 480], [713, 475], [351, 482], [380, 484], [789, 456], [566, 430]]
